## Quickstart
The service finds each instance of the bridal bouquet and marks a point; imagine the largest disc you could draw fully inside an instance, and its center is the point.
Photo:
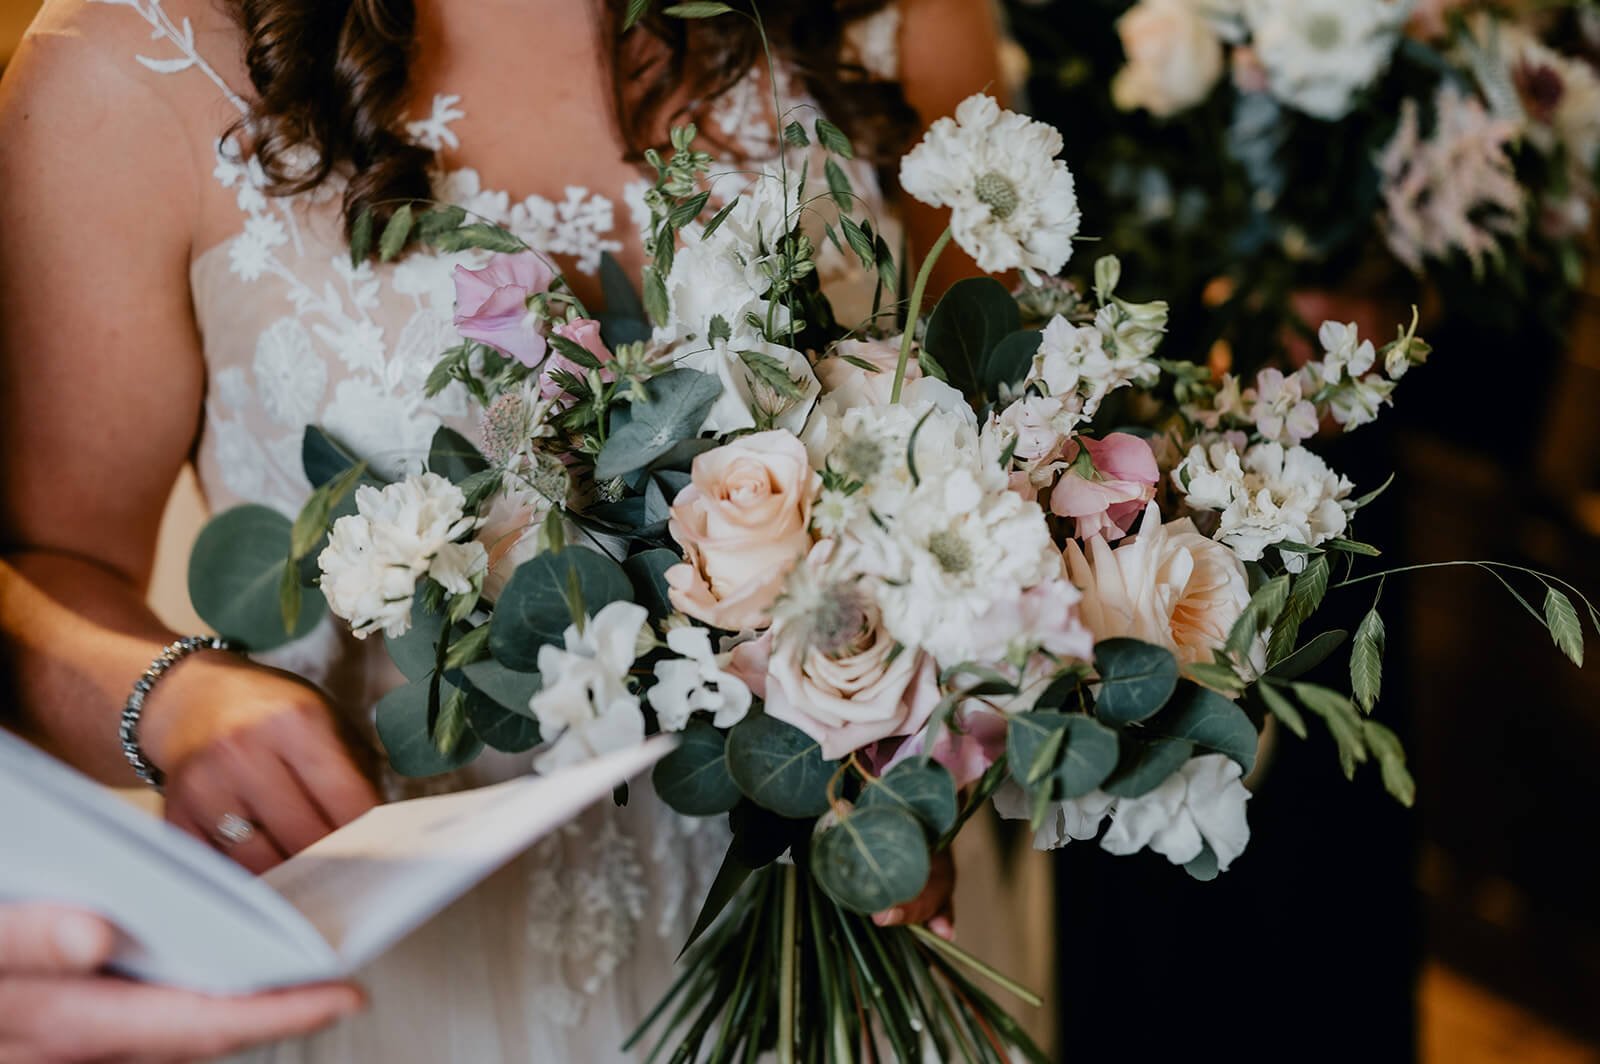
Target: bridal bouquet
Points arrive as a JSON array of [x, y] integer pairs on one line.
[[1449, 146], [875, 574]]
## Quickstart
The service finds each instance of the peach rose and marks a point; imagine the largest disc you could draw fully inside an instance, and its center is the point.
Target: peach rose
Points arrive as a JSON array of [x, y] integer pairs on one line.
[[742, 522], [1169, 586], [1174, 57]]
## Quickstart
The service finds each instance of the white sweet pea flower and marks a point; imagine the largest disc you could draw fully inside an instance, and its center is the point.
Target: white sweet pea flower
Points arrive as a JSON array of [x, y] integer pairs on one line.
[[696, 681], [1345, 353], [1082, 364], [586, 707], [1280, 409], [1073, 820], [1013, 204], [398, 534]]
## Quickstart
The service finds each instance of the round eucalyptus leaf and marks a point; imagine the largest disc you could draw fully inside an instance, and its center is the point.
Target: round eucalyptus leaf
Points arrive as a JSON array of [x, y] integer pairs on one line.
[[235, 573], [500, 728], [1211, 722], [1136, 679], [694, 778], [872, 859], [779, 767], [402, 719], [1144, 766], [1204, 867], [926, 791], [648, 571], [509, 688], [533, 609], [1033, 745], [1088, 757], [416, 653]]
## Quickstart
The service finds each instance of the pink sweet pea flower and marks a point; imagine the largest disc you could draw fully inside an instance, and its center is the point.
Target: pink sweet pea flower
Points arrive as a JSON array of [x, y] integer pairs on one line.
[[1106, 485], [585, 332], [492, 304], [967, 745]]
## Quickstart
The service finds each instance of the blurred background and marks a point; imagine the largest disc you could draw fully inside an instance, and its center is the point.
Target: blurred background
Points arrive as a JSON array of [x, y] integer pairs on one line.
[[1468, 928]]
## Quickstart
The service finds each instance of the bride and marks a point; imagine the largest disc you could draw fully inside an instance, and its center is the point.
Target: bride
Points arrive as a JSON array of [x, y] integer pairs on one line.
[[177, 180]]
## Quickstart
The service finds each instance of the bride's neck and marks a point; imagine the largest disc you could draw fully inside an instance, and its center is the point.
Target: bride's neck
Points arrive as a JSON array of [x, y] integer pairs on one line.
[[471, 26]]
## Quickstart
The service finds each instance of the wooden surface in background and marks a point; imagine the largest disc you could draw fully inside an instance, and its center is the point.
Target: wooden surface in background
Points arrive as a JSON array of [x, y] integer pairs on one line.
[[14, 18]]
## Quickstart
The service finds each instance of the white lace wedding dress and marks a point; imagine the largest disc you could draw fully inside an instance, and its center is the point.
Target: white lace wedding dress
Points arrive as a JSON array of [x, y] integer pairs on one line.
[[557, 957]]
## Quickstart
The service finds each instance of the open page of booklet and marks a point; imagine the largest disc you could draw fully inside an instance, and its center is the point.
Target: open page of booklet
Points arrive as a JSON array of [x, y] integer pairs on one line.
[[190, 917]]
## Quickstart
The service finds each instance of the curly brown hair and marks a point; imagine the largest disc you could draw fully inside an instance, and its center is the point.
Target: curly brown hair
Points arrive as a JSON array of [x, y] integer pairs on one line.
[[332, 75]]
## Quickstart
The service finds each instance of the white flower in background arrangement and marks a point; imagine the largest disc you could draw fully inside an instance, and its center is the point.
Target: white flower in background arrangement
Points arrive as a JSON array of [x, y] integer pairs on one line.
[[398, 534], [1202, 804], [1174, 57], [1267, 495], [1320, 54], [696, 682], [958, 555], [1344, 378], [586, 708], [1453, 191], [764, 385], [1013, 203], [1554, 98]]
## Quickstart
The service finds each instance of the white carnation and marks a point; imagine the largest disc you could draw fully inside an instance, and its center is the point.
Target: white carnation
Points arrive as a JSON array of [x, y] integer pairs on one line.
[[586, 707], [1267, 495], [1320, 54], [1013, 205], [696, 682], [399, 534]]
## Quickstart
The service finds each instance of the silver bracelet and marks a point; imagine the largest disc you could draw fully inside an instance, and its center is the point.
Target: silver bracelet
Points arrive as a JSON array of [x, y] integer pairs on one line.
[[133, 710]]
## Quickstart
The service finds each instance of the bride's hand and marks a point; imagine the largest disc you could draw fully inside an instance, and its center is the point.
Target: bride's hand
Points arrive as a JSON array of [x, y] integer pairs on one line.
[[934, 907], [234, 738]]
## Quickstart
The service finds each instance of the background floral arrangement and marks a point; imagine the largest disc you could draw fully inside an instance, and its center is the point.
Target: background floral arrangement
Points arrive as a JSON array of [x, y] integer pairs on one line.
[[1440, 152], [876, 574]]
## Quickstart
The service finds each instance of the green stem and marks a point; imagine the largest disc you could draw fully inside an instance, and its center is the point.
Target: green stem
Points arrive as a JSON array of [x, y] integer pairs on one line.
[[786, 971], [917, 291], [961, 956]]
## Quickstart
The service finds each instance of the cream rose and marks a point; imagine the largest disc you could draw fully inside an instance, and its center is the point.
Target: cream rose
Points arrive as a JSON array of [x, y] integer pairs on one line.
[[830, 668], [742, 522], [1174, 57], [1170, 586], [861, 372]]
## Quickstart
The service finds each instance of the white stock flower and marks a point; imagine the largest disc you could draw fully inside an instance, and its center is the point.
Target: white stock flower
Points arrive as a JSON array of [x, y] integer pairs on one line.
[[1174, 56], [959, 551], [747, 401], [1202, 804], [586, 707], [1013, 204], [1320, 54], [398, 534], [696, 681], [1267, 495]]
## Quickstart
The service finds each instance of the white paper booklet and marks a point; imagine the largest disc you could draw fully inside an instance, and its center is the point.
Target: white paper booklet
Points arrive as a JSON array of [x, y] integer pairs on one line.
[[195, 919]]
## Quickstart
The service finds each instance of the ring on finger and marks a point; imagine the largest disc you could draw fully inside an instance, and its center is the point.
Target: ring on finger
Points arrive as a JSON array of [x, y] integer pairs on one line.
[[234, 830]]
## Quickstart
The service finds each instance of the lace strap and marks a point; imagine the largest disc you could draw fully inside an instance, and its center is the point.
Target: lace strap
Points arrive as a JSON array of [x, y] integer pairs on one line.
[[180, 35]]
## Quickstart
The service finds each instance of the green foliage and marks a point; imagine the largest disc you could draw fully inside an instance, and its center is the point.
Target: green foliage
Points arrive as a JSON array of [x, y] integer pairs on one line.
[[779, 767], [872, 859], [832, 137], [1305, 595], [1204, 867], [311, 524], [1308, 657], [1282, 708], [1210, 721], [623, 321], [236, 572], [396, 233], [323, 457], [1565, 629], [1343, 721], [1265, 605], [971, 320], [416, 652], [453, 456], [772, 374], [1144, 766], [1009, 362], [1366, 660], [499, 727], [509, 688], [1385, 746], [679, 401], [838, 185], [403, 727], [1136, 680], [705, 9], [694, 778], [1063, 755], [648, 572], [534, 608], [479, 235], [926, 790]]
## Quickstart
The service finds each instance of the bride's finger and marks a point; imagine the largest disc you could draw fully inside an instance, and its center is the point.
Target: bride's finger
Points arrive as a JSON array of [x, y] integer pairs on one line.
[[281, 807], [256, 854], [208, 801], [324, 769]]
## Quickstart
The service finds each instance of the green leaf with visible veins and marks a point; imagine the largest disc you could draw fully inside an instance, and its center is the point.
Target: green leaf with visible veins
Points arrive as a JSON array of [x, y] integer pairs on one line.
[[1562, 620], [1366, 660]]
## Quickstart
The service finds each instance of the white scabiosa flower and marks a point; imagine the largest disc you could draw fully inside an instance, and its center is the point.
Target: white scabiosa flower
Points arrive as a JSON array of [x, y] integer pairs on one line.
[[1320, 54], [586, 707], [871, 446], [1268, 494], [696, 682], [398, 534], [1013, 203]]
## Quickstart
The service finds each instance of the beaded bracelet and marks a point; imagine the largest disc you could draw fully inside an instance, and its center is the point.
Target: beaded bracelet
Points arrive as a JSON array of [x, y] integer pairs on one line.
[[133, 710]]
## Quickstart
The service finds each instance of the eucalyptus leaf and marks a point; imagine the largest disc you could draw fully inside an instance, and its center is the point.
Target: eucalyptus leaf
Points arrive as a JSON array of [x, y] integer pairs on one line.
[[779, 767], [1136, 680], [1008, 364], [533, 609], [1209, 721], [499, 727], [416, 652], [1204, 867], [971, 320], [402, 721], [924, 789], [453, 456], [872, 860], [509, 688], [236, 573], [648, 572], [1144, 766], [323, 456], [679, 401], [1071, 752], [693, 779]]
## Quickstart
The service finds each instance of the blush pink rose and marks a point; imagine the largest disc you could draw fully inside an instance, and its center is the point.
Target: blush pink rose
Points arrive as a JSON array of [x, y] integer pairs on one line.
[[492, 304], [585, 332], [743, 522], [1105, 494]]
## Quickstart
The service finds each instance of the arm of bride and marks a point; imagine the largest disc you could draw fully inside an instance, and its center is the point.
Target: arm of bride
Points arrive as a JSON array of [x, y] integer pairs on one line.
[[101, 392]]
